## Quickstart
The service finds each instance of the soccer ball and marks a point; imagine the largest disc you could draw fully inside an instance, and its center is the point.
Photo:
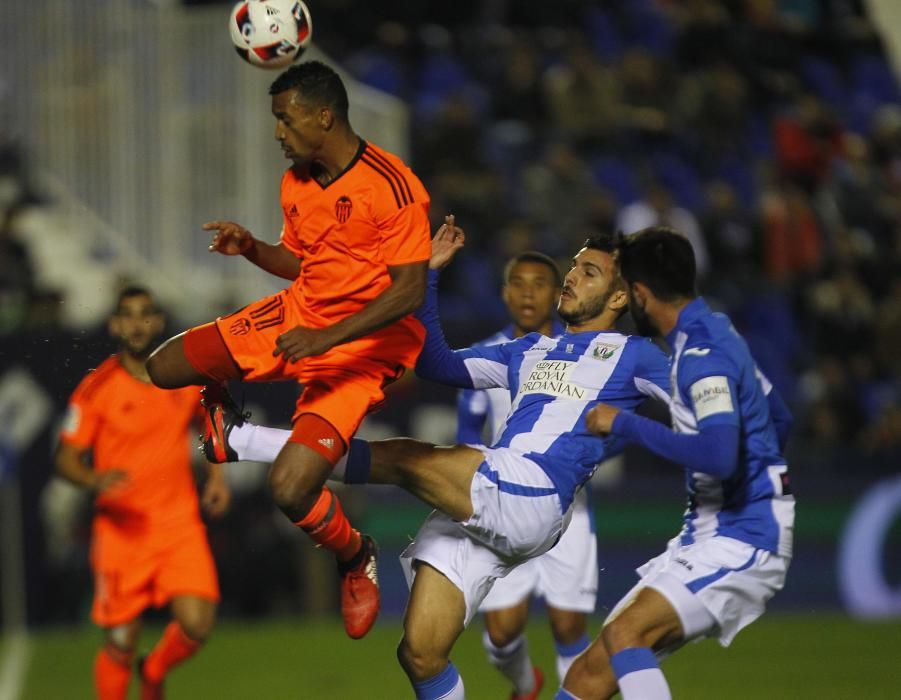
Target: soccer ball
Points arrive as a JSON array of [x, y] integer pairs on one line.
[[270, 33]]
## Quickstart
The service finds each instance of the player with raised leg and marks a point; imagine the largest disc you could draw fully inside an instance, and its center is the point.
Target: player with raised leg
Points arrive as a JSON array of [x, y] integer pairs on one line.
[[567, 575], [499, 506], [148, 544], [729, 432], [355, 244]]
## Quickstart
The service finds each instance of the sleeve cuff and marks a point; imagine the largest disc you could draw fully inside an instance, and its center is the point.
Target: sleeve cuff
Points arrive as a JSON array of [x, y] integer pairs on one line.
[[625, 424]]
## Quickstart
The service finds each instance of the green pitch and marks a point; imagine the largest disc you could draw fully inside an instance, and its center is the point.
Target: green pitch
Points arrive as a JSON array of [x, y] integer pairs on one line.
[[820, 657]]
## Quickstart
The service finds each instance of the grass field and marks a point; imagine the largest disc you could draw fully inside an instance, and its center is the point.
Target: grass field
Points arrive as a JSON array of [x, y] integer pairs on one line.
[[820, 657]]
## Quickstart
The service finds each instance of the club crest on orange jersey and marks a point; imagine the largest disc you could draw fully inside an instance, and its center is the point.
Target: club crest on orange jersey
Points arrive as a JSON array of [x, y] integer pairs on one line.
[[343, 208], [239, 326]]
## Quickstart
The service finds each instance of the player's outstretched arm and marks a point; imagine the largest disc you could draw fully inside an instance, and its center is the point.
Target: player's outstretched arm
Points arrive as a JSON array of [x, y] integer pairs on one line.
[[230, 238], [713, 450], [437, 361]]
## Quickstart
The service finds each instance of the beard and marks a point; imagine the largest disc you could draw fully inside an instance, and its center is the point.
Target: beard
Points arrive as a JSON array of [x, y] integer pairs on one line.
[[585, 311], [643, 323]]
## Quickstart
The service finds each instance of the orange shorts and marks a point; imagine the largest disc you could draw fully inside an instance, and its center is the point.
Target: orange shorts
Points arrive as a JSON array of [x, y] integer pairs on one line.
[[340, 386], [132, 574], [343, 396]]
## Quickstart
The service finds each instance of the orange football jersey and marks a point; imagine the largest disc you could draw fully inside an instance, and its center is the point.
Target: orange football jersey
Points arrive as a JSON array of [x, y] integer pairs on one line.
[[372, 216], [145, 431]]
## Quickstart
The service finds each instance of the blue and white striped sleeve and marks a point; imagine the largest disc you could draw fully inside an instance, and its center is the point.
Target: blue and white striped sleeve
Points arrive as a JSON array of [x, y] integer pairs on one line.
[[652, 371]]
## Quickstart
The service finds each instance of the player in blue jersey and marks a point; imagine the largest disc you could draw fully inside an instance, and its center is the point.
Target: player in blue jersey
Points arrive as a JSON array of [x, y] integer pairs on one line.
[[499, 506], [567, 575], [735, 546]]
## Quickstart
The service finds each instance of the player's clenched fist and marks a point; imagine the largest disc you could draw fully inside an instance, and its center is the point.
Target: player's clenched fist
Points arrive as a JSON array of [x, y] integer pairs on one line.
[[600, 418], [229, 238]]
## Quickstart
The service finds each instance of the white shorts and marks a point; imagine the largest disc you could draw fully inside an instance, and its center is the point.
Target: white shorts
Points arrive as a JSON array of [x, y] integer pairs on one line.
[[566, 576], [516, 516], [716, 586]]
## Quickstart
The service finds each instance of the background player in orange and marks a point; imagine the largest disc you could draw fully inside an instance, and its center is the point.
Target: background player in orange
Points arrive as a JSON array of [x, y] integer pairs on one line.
[[356, 243], [149, 546]]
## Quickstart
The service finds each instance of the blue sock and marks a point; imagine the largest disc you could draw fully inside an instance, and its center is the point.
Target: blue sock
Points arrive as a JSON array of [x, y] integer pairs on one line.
[[574, 649], [630, 660], [638, 675], [567, 653], [563, 694], [439, 686], [359, 459]]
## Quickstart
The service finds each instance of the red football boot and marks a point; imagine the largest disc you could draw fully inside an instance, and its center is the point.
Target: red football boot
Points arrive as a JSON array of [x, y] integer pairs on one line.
[[360, 590], [222, 414], [539, 684]]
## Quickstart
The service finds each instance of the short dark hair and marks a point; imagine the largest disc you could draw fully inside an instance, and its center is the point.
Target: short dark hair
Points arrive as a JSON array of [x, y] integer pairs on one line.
[[662, 259], [133, 290], [605, 242], [533, 256], [316, 83]]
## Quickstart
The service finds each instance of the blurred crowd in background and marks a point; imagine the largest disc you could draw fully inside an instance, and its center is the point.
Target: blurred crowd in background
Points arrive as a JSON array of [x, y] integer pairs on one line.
[[767, 131]]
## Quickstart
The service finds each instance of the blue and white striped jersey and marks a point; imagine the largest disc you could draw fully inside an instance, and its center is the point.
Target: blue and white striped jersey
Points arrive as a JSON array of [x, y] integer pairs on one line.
[[478, 407], [554, 383], [716, 382]]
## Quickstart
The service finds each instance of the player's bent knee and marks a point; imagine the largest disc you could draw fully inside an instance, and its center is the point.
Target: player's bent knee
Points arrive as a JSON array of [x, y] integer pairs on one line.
[[568, 627], [122, 638], [169, 369], [198, 625], [157, 368], [503, 630], [197, 356], [418, 663], [502, 637], [292, 490]]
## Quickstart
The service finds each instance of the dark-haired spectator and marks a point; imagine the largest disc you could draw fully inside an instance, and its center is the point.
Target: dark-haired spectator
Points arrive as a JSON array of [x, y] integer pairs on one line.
[[733, 240]]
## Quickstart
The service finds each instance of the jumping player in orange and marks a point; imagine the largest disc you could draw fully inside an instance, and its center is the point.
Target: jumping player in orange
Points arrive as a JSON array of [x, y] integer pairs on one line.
[[356, 245], [149, 545]]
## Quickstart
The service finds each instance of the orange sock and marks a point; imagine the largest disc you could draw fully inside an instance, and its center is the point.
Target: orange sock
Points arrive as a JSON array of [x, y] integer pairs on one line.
[[173, 648], [112, 672], [328, 527]]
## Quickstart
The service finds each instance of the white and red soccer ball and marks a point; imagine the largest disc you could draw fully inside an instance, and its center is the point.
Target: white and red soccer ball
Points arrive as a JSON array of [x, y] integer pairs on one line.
[[270, 33]]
